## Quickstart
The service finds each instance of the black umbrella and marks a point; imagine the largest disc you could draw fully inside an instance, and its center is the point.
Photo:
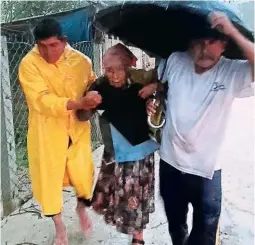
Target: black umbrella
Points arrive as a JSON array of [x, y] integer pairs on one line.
[[162, 27]]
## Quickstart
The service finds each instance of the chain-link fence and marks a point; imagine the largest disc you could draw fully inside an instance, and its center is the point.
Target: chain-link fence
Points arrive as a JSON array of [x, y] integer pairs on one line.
[[14, 46]]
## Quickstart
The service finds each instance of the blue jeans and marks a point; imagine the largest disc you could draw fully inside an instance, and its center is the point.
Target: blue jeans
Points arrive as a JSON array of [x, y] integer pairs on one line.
[[178, 190]]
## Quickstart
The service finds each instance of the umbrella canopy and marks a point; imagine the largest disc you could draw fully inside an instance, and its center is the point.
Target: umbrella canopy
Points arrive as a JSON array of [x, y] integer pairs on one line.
[[163, 27]]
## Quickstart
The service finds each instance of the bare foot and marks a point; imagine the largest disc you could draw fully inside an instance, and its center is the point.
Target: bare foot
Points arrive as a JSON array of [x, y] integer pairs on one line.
[[61, 238], [85, 221], [60, 242], [61, 234]]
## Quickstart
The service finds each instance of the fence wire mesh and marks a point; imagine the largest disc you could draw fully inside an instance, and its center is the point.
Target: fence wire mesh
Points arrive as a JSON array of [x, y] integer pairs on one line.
[[14, 46]]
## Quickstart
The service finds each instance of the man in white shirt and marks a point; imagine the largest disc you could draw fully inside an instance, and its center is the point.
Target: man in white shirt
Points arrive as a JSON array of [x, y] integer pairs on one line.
[[202, 85]]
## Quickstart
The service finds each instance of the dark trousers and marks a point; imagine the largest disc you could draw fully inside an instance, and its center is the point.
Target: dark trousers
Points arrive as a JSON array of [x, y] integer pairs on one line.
[[178, 190]]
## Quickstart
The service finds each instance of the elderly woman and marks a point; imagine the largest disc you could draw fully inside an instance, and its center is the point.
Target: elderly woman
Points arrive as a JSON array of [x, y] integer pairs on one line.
[[124, 192], [146, 78]]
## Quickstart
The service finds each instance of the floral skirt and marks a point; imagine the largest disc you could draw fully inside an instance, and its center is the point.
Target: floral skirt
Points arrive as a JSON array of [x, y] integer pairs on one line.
[[124, 193]]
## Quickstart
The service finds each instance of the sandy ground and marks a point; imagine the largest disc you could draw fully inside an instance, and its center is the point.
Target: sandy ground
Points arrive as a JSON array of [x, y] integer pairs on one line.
[[237, 227]]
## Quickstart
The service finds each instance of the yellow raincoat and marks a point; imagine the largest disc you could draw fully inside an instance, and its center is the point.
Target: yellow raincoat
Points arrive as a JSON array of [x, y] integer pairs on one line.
[[52, 165]]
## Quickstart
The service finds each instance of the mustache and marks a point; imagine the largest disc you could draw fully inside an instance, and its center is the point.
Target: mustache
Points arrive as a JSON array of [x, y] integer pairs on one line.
[[205, 57]]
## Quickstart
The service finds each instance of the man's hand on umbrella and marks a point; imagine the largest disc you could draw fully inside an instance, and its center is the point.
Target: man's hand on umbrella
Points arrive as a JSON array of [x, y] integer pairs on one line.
[[90, 101], [221, 22]]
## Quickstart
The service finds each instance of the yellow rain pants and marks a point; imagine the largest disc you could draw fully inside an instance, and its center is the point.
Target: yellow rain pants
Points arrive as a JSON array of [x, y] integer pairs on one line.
[[52, 165]]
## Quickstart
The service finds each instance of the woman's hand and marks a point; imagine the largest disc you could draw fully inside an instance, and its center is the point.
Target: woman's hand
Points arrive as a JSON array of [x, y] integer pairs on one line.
[[151, 107], [90, 101], [148, 90]]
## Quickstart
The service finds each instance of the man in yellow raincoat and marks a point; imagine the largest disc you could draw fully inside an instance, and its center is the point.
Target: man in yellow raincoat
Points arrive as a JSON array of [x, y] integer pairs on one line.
[[54, 77]]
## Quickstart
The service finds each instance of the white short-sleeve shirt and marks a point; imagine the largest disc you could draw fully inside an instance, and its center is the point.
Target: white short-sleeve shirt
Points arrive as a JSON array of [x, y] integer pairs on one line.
[[198, 106]]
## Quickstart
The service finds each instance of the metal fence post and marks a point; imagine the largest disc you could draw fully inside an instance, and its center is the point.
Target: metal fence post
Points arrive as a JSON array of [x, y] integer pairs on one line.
[[6, 200], [97, 58], [9, 178]]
